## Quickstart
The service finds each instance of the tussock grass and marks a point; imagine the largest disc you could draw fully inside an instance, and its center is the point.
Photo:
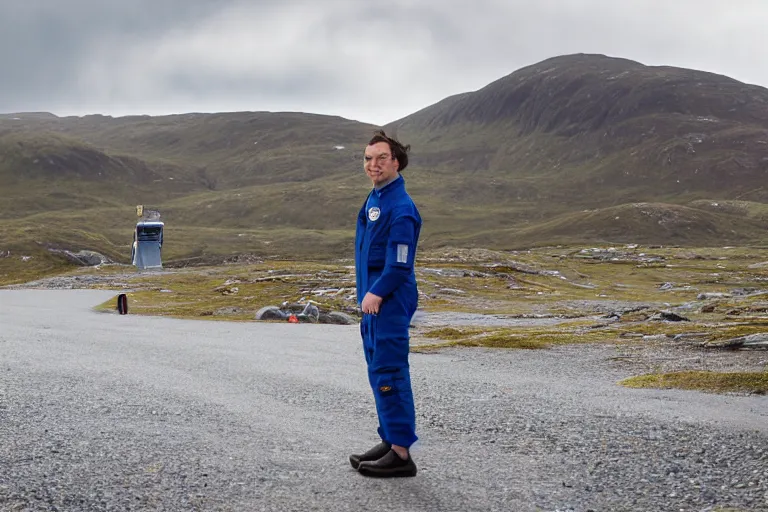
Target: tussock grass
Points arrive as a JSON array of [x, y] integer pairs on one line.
[[511, 338], [448, 333], [749, 382], [724, 331]]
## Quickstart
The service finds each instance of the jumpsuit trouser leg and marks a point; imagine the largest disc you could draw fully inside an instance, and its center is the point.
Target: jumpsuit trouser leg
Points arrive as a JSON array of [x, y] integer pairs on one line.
[[386, 347]]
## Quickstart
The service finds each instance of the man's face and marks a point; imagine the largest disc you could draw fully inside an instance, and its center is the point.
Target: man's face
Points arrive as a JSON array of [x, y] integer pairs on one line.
[[379, 164]]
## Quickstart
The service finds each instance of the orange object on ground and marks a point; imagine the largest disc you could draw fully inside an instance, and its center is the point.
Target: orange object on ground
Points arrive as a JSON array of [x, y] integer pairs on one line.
[[292, 319]]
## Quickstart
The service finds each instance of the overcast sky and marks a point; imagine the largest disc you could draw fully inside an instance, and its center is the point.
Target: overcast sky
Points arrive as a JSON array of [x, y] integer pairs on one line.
[[370, 61]]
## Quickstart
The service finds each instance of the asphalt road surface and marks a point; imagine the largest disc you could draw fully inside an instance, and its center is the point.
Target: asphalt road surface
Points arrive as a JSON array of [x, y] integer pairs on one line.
[[101, 411]]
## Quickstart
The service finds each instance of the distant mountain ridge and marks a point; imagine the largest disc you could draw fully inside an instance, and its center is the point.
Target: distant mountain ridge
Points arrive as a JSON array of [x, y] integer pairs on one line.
[[573, 93], [513, 164], [584, 131]]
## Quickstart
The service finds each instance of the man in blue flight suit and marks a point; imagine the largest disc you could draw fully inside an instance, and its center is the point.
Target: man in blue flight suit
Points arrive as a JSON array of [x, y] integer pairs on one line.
[[388, 227]]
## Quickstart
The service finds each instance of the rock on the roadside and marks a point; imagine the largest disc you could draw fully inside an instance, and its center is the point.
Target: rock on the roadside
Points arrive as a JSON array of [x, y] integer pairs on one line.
[[305, 313], [271, 313], [310, 313], [336, 317]]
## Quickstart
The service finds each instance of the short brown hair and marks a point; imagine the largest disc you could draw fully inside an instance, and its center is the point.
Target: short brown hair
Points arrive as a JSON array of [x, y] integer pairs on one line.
[[399, 151]]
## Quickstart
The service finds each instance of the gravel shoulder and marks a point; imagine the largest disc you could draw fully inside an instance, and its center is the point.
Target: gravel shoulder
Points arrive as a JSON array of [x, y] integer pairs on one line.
[[100, 411]]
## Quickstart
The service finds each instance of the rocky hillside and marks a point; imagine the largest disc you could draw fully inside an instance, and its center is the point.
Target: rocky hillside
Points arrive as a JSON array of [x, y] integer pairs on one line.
[[589, 130]]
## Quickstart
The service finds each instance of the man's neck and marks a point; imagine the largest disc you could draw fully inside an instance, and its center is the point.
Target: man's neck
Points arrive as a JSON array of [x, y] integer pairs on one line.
[[382, 185]]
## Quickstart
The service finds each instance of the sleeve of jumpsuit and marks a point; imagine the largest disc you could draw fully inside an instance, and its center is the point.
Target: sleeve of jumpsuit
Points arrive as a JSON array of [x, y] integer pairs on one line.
[[400, 256]]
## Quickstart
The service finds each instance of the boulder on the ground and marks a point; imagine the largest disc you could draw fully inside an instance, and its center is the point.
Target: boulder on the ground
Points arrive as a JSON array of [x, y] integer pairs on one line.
[[757, 341], [85, 258], [668, 316], [271, 313], [336, 317], [712, 295], [305, 313], [310, 313]]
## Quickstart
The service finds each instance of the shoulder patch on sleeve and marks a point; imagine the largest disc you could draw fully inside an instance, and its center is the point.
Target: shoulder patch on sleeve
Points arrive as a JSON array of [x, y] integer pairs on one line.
[[402, 253]]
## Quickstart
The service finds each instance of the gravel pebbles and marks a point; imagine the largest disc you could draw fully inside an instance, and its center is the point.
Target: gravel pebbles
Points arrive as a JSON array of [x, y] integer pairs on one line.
[[100, 411]]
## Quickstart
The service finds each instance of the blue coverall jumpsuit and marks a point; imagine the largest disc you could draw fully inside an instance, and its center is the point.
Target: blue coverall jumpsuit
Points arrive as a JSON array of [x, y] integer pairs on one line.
[[388, 227]]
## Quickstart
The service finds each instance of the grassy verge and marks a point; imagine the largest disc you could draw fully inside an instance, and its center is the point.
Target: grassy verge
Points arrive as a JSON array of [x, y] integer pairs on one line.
[[597, 294], [236, 293], [513, 337], [746, 382]]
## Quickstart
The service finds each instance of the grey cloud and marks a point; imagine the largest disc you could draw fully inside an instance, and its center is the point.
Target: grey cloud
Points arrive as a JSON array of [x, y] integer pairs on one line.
[[372, 62], [43, 42]]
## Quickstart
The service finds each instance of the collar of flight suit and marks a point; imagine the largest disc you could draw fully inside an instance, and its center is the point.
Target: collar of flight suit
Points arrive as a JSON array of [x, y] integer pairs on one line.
[[392, 185]]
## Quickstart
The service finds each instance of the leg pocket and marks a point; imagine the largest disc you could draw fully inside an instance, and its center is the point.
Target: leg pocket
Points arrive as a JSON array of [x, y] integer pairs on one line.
[[394, 404], [388, 385]]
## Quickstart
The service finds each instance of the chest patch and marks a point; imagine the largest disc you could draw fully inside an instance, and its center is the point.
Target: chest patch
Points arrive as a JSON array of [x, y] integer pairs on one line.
[[373, 213]]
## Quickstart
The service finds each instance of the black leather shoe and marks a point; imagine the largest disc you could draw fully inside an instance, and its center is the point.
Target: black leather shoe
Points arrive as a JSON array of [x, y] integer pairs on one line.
[[374, 453], [390, 465]]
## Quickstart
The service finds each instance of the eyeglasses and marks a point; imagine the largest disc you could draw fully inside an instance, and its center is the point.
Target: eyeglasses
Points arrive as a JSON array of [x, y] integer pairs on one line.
[[380, 159]]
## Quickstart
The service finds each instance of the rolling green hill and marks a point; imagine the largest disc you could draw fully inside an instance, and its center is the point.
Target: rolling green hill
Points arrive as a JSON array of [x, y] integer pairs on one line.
[[224, 150], [574, 149], [43, 171]]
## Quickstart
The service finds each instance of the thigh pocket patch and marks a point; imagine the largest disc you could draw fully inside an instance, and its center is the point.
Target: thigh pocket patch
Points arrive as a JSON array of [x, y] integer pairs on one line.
[[388, 385]]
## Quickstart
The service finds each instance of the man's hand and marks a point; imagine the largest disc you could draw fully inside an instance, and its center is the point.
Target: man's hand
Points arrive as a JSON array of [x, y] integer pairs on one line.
[[371, 303]]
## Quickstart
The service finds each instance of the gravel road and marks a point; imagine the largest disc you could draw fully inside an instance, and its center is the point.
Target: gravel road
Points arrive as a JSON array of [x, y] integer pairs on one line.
[[100, 411]]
